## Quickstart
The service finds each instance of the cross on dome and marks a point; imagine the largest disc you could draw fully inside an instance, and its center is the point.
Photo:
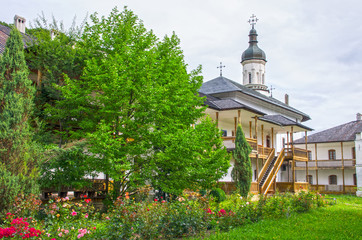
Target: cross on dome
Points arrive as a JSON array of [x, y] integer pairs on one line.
[[252, 21], [221, 67]]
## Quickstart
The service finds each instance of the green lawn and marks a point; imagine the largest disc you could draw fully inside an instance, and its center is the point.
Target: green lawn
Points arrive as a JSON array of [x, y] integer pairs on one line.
[[340, 221]]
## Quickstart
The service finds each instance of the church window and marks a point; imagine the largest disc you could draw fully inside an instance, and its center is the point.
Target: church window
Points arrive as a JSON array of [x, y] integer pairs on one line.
[[258, 77], [332, 154], [249, 77], [332, 179], [263, 80]]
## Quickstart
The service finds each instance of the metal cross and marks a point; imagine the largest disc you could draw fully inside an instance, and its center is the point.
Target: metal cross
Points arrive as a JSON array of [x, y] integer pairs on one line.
[[221, 67], [271, 90], [253, 20]]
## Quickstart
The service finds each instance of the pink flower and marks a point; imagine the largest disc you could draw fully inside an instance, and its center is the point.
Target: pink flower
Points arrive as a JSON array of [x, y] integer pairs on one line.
[[74, 213], [163, 201], [86, 215], [107, 218], [94, 228], [66, 231], [60, 234]]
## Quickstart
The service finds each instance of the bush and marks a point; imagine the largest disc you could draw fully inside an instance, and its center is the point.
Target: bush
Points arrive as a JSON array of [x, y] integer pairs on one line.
[[11, 188], [218, 194]]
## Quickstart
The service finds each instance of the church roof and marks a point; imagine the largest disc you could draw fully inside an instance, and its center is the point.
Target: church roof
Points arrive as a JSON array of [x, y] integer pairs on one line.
[[342, 133], [253, 51], [282, 121], [224, 85], [226, 104]]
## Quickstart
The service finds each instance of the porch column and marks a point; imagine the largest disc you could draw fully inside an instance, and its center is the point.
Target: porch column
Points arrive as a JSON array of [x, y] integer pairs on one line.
[[262, 139], [256, 133], [306, 163], [257, 171], [239, 117], [344, 186], [250, 135], [287, 139], [272, 133], [293, 162], [235, 124], [217, 119], [316, 164]]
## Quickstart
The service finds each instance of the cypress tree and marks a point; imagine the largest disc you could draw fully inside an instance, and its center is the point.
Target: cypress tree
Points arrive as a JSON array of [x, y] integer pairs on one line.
[[242, 171], [16, 104]]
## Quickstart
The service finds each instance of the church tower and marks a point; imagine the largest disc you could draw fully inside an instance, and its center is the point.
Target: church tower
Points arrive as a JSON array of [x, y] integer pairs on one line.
[[253, 61]]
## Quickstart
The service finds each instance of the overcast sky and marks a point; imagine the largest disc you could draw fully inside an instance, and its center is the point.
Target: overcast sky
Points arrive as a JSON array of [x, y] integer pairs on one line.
[[313, 47]]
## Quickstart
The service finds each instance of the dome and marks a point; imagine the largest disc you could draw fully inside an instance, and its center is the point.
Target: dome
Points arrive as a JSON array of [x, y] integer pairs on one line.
[[253, 51]]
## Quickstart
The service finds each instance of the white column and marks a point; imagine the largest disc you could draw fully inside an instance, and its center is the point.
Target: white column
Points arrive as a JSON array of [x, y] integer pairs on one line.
[[358, 146]]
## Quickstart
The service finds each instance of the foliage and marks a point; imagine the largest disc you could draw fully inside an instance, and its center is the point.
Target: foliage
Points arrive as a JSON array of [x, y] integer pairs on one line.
[[188, 215], [66, 168], [135, 103], [54, 53], [344, 218], [218, 194], [16, 105], [242, 171]]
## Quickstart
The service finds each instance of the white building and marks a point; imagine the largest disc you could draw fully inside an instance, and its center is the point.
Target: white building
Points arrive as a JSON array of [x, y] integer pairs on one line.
[[335, 159], [248, 102]]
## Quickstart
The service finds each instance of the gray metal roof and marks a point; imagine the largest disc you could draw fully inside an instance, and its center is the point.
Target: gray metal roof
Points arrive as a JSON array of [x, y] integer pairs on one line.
[[226, 104], [342, 133], [253, 51], [282, 121], [224, 85]]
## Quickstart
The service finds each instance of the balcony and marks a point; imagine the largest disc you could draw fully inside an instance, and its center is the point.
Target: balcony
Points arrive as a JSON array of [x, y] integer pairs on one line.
[[297, 154], [327, 164], [263, 152]]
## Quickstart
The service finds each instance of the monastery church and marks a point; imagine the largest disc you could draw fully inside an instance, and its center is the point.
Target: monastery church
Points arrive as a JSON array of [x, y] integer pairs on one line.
[[265, 119]]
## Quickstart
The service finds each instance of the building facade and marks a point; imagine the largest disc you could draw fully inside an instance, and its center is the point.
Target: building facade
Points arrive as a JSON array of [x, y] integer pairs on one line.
[[335, 159]]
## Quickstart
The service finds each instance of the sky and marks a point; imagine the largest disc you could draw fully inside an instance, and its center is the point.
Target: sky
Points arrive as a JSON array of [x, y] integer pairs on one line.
[[313, 47]]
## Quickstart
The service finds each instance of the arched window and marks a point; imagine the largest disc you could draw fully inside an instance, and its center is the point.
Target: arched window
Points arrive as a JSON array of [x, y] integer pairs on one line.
[[353, 153], [249, 77], [310, 179], [332, 154], [263, 80], [332, 179]]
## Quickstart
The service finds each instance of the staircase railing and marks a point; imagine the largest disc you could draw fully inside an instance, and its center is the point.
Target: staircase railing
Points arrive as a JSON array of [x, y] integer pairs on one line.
[[267, 163], [272, 174]]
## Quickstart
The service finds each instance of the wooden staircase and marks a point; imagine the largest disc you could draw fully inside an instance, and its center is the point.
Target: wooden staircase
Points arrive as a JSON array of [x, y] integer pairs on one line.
[[270, 170]]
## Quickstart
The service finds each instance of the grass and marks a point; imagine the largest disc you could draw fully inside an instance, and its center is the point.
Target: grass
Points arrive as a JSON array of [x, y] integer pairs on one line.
[[340, 221]]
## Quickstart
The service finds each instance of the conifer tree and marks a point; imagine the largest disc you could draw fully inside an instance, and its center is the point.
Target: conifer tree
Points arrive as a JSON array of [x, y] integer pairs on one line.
[[242, 171], [16, 104]]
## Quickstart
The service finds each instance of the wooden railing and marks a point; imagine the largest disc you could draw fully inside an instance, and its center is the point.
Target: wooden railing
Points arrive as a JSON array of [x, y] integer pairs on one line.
[[267, 163], [268, 182], [296, 153], [229, 142], [312, 164]]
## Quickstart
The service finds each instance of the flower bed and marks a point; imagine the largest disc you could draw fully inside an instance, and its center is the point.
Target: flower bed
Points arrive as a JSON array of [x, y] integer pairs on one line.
[[127, 219]]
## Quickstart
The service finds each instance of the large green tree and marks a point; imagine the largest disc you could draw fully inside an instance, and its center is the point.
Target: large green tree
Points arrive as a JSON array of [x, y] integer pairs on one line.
[[136, 103], [242, 171], [16, 105]]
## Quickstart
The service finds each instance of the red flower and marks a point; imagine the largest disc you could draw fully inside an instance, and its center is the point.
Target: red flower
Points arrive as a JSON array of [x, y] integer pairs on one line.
[[155, 200], [87, 200], [222, 212]]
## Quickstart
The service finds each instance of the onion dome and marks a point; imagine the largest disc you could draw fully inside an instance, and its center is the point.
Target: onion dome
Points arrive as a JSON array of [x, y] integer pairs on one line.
[[253, 51]]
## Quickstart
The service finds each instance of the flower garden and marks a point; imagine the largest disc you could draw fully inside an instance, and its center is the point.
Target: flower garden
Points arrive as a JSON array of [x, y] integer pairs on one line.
[[127, 218]]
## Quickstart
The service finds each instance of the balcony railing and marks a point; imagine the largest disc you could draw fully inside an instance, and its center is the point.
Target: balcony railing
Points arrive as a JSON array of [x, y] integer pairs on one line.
[[296, 153], [229, 142], [312, 164]]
